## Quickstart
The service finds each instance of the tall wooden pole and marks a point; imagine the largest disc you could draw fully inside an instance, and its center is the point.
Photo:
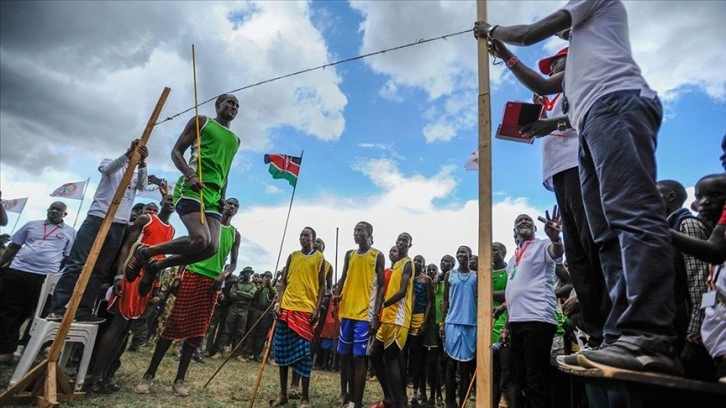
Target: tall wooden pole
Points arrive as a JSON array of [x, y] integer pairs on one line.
[[484, 310], [50, 374]]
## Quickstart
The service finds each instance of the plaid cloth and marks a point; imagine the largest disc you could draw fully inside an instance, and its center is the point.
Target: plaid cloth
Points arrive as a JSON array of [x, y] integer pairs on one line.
[[192, 310], [291, 348]]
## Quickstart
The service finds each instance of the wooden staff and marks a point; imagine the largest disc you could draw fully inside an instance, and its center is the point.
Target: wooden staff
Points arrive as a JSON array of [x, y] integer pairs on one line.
[[46, 374], [262, 366], [199, 137], [239, 343], [484, 309], [468, 391]]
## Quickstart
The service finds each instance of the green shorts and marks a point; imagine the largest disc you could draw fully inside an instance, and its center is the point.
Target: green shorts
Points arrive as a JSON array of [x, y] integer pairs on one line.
[[211, 194]]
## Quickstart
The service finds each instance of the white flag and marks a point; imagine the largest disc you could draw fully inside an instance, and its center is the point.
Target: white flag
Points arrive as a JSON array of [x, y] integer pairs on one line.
[[70, 190], [15, 205], [473, 162], [152, 191]]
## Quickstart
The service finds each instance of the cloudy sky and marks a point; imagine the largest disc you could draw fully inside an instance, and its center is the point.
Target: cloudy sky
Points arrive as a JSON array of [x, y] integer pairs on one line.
[[385, 138]]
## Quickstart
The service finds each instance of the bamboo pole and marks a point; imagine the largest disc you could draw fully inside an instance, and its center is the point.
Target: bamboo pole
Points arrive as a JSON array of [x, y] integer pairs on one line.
[[266, 354], [484, 310], [50, 372]]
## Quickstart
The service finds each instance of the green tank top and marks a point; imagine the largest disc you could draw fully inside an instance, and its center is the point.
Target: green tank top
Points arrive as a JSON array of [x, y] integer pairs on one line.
[[499, 282], [219, 145], [212, 267]]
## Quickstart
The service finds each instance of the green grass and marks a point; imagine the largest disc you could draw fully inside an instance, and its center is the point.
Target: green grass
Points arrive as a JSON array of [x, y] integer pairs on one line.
[[231, 387]]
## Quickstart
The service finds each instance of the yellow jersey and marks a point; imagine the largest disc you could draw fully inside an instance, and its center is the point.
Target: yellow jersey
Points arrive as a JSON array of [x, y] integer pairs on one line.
[[399, 313], [358, 297], [301, 291]]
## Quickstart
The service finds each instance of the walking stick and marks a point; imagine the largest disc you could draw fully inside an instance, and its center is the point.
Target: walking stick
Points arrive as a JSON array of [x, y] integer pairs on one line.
[[262, 366], [471, 384], [238, 344], [199, 137]]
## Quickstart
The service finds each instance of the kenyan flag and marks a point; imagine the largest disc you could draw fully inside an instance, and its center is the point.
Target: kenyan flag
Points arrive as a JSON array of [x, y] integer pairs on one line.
[[284, 167]]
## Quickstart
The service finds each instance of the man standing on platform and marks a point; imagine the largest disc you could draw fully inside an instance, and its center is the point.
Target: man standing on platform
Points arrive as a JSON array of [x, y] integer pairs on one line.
[[617, 116], [112, 172]]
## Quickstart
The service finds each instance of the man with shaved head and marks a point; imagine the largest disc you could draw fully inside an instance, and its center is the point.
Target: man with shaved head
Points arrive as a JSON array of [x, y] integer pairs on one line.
[[37, 249]]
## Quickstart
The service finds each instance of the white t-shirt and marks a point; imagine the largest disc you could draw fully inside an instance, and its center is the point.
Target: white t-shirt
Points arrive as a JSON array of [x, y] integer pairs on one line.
[[599, 61], [530, 291], [559, 149], [112, 171]]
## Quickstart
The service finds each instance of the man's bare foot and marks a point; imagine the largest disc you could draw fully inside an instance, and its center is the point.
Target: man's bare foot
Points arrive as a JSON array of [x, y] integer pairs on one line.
[[280, 401]]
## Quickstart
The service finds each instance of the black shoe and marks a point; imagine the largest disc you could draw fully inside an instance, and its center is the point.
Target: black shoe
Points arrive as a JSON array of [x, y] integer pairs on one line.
[[89, 319], [631, 357], [198, 359], [133, 348], [112, 385]]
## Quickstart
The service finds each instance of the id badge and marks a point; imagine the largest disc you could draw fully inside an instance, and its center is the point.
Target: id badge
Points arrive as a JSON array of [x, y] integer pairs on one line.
[[708, 299]]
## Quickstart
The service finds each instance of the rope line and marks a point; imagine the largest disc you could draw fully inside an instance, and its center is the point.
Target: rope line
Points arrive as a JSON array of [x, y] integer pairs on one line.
[[331, 64]]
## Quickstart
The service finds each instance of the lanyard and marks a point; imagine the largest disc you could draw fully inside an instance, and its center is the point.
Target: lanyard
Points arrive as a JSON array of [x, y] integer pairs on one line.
[[46, 235], [713, 273], [550, 104], [518, 254]]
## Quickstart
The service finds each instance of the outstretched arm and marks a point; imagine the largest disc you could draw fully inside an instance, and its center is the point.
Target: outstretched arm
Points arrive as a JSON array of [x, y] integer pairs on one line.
[[712, 251], [525, 34]]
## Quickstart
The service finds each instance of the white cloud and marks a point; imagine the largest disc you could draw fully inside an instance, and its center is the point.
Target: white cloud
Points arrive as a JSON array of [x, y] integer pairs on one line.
[[390, 91], [102, 87], [439, 132], [271, 189], [672, 62]]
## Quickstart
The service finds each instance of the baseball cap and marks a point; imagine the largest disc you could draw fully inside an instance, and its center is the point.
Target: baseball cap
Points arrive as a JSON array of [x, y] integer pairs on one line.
[[544, 64]]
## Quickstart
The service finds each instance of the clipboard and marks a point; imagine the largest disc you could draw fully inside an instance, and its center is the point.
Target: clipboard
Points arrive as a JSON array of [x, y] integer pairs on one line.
[[516, 115]]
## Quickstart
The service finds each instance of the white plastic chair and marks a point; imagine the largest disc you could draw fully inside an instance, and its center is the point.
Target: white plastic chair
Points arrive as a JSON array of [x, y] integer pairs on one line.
[[43, 331]]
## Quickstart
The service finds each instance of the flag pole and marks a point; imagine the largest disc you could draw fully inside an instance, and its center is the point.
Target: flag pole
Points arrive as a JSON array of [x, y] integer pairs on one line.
[[336, 253], [271, 334], [81, 204], [16, 221]]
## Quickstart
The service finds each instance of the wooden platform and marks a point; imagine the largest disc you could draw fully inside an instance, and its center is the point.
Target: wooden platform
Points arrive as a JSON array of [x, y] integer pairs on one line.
[[642, 389]]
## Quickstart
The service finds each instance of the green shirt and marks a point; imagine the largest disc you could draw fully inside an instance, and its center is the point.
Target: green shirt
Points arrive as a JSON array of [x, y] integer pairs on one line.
[[242, 292], [499, 282], [219, 145], [438, 300], [212, 267]]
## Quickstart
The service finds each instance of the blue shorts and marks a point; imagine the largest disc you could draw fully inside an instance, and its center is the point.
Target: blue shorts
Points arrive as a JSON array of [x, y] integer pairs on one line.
[[354, 337], [186, 206]]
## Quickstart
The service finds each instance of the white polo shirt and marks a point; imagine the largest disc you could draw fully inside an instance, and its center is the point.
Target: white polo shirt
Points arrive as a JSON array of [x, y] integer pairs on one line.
[[559, 149], [43, 246], [530, 291], [599, 61]]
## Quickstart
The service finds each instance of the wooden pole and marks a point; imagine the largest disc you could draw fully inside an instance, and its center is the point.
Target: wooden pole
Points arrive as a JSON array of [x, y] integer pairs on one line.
[[270, 338], [51, 372], [484, 310]]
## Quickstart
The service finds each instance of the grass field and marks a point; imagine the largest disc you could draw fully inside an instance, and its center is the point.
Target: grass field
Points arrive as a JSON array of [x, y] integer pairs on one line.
[[231, 387]]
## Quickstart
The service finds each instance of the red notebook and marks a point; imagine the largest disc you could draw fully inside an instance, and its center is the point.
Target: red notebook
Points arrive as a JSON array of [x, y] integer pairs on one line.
[[516, 115]]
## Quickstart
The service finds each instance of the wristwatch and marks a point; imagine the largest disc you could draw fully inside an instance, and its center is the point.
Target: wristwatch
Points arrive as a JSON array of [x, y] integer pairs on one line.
[[561, 125]]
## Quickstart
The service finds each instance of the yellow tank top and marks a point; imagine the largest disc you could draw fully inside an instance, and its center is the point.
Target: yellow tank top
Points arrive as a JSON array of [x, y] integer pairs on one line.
[[359, 291], [328, 268], [301, 291], [400, 312]]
